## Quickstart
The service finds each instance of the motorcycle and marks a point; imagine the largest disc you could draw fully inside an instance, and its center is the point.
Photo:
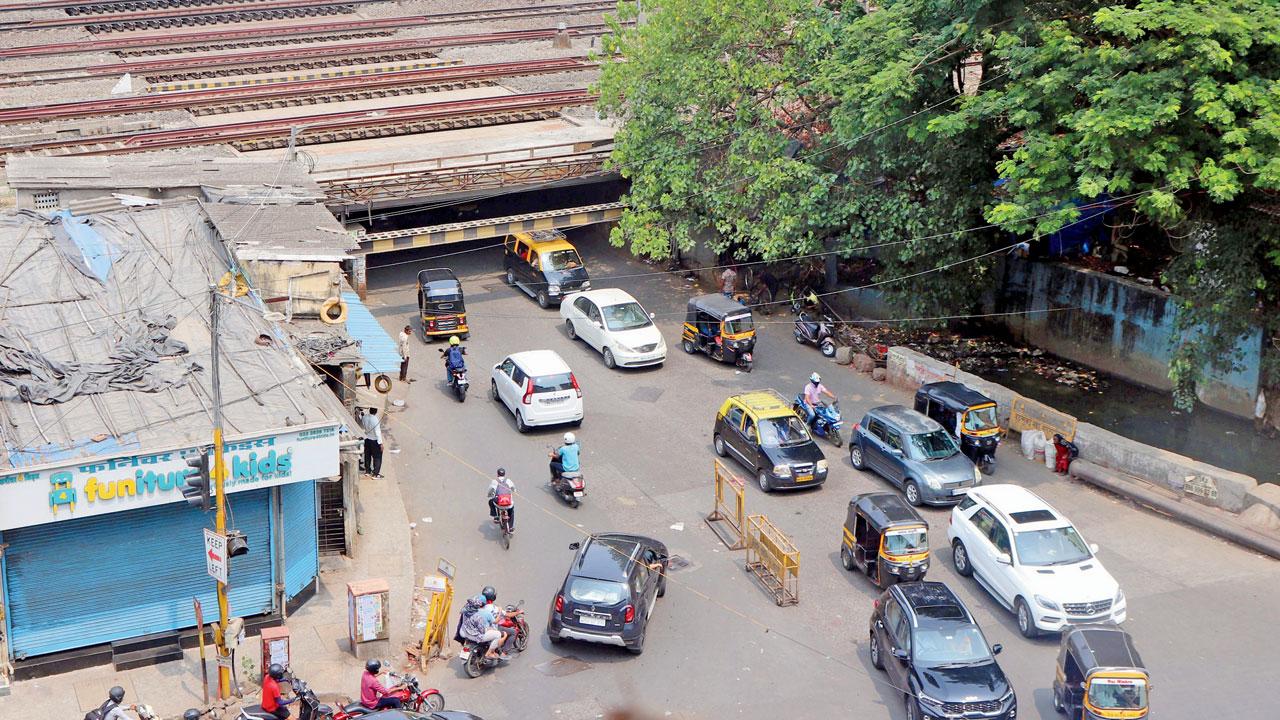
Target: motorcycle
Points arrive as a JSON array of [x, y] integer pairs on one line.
[[473, 654], [458, 381], [819, 331], [826, 422], [570, 485], [406, 689], [504, 504]]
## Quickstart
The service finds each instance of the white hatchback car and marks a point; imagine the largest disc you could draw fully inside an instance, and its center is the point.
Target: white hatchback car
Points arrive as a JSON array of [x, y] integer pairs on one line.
[[1031, 559], [538, 388], [612, 322]]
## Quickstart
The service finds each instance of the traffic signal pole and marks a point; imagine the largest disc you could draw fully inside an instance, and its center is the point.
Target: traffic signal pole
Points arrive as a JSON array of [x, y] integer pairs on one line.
[[220, 497]]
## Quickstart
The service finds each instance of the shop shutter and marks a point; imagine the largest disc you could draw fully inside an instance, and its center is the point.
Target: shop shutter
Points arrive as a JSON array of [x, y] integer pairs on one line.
[[86, 582], [301, 559]]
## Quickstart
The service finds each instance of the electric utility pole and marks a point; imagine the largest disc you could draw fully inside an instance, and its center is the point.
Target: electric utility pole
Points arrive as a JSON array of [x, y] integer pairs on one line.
[[220, 498]]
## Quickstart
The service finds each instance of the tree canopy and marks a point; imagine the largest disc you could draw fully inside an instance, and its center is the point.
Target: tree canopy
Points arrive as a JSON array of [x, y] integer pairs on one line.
[[785, 126]]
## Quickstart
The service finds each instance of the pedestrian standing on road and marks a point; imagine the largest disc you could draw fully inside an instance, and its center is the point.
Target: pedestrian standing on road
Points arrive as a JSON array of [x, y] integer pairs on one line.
[[402, 345], [372, 426], [728, 281]]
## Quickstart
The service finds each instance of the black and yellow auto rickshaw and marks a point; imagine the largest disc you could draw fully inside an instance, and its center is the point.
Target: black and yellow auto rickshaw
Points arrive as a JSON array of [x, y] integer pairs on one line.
[[721, 328], [968, 415], [441, 305], [1100, 675], [885, 538]]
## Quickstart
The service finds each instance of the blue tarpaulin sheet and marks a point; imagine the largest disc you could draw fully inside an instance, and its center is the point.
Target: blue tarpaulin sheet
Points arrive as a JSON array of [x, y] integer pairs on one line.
[[378, 348], [94, 249]]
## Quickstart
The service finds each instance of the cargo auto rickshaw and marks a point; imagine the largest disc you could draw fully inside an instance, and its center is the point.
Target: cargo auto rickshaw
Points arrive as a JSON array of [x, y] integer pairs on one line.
[[885, 538], [721, 328], [440, 304], [1100, 675], [968, 415]]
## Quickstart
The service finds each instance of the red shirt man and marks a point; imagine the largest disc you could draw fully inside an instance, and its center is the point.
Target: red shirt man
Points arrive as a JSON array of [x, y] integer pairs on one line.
[[373, 694], [271, 700]]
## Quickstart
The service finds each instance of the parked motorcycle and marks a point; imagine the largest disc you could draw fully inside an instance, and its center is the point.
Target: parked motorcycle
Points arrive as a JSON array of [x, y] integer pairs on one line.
[[827, 420], [818, 330], [570, 485], [458, 381], [473, 654]]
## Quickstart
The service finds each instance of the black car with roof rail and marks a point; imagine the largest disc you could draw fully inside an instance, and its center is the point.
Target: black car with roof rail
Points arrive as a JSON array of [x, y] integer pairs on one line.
[[926, 640], [610, 591]]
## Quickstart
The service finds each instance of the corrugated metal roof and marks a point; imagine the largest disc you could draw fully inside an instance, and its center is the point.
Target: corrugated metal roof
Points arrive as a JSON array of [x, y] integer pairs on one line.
[[378, 348]]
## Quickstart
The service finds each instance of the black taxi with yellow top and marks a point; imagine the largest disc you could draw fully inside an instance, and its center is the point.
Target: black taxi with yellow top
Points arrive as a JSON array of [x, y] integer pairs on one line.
[[544, 265], [1100, 675], [885, 538], [762, 432]]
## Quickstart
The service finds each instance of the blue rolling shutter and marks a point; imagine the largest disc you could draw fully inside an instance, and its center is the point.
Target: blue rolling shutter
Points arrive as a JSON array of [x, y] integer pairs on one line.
[[85, 582], [301, 553]]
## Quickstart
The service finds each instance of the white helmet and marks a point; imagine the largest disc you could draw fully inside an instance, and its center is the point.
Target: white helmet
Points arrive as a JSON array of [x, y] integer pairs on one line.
[[815, 378], [569, 438]]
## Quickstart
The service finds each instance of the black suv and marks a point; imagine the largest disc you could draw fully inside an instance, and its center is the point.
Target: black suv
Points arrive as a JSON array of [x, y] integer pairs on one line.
[[928, 643], [612, 586]]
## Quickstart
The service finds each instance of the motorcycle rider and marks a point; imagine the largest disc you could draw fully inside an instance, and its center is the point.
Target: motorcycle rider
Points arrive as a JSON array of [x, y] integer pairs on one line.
[[453, 358], [502, 485], [373, 694], [272, 703], [482, 627], [469, 608], [565, 458], [812, 395], [113, 708]]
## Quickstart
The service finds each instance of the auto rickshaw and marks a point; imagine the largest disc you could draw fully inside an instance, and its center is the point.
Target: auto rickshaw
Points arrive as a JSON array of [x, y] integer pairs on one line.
[[440, 304], [721, 328], [968, 415], [1100, 675], [885, 538]]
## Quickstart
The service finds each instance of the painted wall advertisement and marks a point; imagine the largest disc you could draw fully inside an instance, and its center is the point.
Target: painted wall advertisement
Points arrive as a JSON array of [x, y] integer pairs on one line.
[[128, 482]]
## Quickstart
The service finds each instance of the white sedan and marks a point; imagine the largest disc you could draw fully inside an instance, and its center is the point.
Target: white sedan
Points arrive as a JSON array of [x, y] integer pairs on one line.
[[612, 322]]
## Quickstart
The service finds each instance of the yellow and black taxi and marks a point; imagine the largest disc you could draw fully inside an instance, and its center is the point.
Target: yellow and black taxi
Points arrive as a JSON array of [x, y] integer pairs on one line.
[[721, 328], [544, 265], [1100, 675], [885, 539], [760, 429], [441, 306]]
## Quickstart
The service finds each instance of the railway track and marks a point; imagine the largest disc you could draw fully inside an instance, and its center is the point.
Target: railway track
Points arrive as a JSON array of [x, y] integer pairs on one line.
[[191, 15], [278, 60], [285, 94], [210, 38], [326, 127], [83, 7]]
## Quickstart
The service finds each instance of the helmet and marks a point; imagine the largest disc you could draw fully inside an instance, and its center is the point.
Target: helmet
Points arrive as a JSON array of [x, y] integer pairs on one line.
[[192, 714], [570, 438], [454, 341], [275, 671], [489, 593], [502, 472], [116, 694], [373, 666], [815, 378]]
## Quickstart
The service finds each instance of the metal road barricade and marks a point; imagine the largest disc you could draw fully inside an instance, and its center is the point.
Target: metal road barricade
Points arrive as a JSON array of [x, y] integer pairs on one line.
[[440, 588], [773, 559], [1027, 414], [730, 508]]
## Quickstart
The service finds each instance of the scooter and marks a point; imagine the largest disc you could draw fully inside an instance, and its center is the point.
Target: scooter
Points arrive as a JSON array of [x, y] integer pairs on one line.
[[458, 381], [570, 485], [827, 420], [473, 654], [819, 332]]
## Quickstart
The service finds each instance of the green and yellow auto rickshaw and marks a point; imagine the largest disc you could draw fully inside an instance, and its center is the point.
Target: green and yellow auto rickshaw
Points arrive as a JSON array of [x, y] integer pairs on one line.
[[885, 538]]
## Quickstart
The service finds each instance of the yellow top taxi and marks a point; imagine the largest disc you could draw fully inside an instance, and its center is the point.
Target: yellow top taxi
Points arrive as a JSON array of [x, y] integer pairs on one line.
[[544, 265], [761, 431]]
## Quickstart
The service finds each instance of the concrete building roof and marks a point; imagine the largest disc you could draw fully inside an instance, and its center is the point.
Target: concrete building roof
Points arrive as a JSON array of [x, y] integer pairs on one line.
[[105, 339], [281, 232], [145, 171]]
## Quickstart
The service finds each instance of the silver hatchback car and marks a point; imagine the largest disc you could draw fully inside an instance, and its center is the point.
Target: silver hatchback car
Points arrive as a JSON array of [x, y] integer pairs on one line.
[[915, 453]]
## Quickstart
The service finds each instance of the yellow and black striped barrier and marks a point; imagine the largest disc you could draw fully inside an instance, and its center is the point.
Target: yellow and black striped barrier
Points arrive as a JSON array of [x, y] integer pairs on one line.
[[491, 228]]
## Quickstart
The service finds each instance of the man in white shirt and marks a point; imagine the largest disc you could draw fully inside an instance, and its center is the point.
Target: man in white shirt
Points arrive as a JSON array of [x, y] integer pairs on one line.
[[372, 426], [402, 346]]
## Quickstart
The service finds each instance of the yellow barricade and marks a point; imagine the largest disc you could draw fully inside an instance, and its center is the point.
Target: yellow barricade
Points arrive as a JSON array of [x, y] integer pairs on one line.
[[441, 589], [1027, 414], [730, 508], [773, 559]]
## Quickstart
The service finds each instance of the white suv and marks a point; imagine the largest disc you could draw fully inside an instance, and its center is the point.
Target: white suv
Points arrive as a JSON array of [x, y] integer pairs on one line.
[[538, 388], [1032, 560]]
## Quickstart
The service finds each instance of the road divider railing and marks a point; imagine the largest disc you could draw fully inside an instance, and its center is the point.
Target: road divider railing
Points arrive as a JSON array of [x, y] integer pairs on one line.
[[728, 517], [773, 559]]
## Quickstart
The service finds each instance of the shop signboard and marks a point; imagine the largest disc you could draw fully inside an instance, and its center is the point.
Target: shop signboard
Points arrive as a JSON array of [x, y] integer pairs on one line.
[[111, 484]]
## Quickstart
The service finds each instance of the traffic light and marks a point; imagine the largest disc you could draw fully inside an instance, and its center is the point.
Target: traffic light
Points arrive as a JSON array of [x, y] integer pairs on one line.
[[195, 487]]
